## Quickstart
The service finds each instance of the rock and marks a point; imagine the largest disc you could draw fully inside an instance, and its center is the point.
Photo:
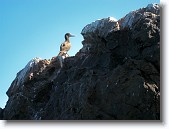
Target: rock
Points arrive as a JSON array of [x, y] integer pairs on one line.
[[115, 76], [100, 94], [1, 114], [100, 27], [151, 11], [153, 8], [33, 68], [96, 32]]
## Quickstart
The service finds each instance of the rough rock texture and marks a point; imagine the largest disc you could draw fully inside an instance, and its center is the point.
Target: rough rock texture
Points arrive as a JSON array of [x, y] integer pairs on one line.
[[115, 76], [100, 27], [152, 11], [33, 68]]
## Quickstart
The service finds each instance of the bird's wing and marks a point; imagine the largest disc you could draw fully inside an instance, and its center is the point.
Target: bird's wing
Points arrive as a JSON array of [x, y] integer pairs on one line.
[[65, 46], [62, 46]]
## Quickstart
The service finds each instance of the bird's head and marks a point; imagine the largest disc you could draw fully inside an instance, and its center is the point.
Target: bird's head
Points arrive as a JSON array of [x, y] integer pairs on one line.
[[69, 35]]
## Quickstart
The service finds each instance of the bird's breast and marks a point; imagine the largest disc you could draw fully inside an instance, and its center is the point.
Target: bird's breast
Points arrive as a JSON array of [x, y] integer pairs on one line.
[[65, 46]]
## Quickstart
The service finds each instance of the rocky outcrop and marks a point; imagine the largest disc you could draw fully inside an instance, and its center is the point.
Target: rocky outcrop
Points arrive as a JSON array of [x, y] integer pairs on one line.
[[152, 11], [33, 68], [1, 113], [100, 28], [115, 76]]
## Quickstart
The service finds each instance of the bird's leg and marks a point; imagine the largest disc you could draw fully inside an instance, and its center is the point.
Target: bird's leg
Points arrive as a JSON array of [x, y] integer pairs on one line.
[[67, 55]]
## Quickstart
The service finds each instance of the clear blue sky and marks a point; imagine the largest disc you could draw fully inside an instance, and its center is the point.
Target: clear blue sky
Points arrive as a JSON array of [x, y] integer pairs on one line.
[[35, 28]]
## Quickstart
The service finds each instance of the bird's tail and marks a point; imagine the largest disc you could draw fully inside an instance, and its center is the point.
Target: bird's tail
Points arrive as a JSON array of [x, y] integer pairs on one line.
[[61, 56], [63, 53]]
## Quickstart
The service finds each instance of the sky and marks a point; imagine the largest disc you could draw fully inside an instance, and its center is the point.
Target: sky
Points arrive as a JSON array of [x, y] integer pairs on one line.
[[36, 28]]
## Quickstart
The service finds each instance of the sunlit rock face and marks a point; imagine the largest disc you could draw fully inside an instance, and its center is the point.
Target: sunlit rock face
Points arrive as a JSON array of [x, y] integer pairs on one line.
[[33, 68], [114, 76], [149, 13], [95, 32], [100, 27]]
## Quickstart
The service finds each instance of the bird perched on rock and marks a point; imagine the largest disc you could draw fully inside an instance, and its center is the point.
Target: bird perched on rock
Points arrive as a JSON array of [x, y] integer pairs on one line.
[[65, 46]]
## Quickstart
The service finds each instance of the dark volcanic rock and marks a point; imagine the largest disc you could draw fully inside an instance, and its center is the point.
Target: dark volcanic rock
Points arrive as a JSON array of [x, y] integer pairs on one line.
[[1, 113], [115, 76]]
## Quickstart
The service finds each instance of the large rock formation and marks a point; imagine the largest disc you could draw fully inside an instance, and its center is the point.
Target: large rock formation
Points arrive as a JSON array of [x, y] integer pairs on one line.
[[115, 76]]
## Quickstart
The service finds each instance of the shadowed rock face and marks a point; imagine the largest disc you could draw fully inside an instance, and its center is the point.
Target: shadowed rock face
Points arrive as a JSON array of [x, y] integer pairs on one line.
[[115, 76], [1, 113]]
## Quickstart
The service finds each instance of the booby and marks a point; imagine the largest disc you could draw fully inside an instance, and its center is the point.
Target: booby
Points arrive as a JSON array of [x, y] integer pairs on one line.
[[65, 46]]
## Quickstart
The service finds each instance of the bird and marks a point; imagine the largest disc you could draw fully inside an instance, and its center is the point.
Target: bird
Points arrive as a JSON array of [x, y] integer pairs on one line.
[[66, 45]]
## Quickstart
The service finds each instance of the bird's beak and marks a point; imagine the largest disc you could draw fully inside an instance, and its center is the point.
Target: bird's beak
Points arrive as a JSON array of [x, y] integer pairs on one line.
[[71, 35]]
